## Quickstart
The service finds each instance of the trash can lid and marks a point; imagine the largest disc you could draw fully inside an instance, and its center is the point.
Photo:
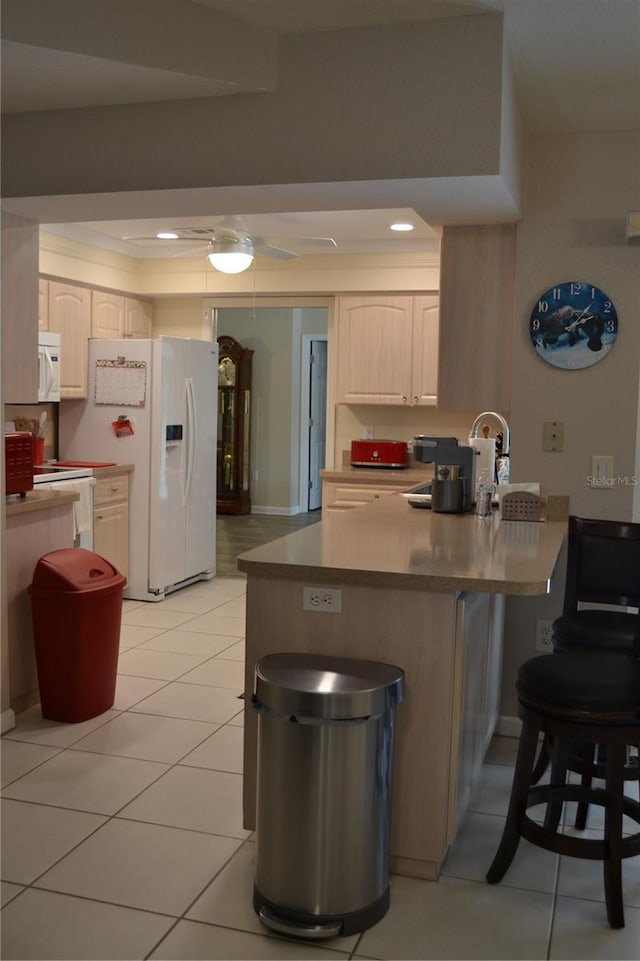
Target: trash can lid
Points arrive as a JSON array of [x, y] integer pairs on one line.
[[322, 686], [74, 569]]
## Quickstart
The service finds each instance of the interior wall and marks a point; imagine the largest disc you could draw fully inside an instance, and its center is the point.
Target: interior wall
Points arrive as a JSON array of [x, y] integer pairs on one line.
[[578, 191], [347, 107], [395, 423]]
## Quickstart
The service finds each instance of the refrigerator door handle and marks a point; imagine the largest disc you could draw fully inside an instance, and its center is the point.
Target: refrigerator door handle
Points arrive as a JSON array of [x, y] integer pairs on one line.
[[191, 439]]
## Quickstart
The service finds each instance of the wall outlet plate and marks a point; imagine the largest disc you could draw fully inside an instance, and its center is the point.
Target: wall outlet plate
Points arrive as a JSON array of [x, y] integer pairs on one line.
[[326, 600], [544, 636]]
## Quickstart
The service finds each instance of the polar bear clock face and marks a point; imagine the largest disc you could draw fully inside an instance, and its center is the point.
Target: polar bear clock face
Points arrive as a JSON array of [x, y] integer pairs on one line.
[[573, 325]]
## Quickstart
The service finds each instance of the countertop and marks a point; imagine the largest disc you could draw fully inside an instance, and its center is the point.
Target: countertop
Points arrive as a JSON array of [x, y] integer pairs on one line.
[[420, 473], [109, 471], [388, 543], [36, 500], [41, 500]]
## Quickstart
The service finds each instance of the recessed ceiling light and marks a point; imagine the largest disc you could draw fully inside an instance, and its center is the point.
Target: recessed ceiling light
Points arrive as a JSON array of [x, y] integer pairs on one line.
[[166, 235], [401, 226]]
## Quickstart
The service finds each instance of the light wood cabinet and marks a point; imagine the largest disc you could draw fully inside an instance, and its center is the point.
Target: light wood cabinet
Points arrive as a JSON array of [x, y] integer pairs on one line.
[[70, 316], [19, 252], [111, 520], [114, 316], [343, 495], [477, 284], [43, 304], [387, 350], [138, 317]]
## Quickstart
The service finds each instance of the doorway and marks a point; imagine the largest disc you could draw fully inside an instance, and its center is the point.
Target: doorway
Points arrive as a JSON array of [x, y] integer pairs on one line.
[[313, 420]]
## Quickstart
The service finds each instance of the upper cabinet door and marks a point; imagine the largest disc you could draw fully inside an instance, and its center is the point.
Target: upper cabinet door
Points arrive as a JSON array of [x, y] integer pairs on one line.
[[424, 359], [107, 315], [374, 350], [138, 320], [70, 316], [477, 282], [43, 304]]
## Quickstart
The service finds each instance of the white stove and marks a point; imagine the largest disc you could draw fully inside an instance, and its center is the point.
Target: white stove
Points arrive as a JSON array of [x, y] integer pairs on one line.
[[48, 473], [82, 481]]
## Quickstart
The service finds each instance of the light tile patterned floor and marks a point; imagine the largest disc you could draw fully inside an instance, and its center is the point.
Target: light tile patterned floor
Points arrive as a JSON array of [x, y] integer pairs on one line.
[[122, 836]]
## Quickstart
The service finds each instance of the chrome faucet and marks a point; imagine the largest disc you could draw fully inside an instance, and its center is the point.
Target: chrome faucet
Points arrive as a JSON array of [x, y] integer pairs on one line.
[[502, 460]]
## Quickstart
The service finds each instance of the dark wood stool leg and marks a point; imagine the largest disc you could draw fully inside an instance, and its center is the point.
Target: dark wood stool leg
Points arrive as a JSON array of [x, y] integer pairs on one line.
[[517, 804], [559, 761], [616, 754], [542, 763], [588, 770]]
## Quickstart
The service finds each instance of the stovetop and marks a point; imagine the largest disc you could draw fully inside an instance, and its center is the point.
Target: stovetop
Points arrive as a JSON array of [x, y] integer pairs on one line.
[[46, 473]]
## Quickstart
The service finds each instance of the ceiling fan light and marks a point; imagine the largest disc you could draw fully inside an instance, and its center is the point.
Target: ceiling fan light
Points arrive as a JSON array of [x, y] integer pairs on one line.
[[230, 256]]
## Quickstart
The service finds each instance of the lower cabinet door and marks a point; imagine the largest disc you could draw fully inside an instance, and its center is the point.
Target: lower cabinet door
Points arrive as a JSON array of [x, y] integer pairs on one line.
[[111, 535]]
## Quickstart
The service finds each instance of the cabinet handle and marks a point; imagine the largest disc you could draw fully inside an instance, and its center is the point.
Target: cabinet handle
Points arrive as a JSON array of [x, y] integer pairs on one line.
[[114, 490], [404, 399], [415, 401], [376, 496], [98, 517]]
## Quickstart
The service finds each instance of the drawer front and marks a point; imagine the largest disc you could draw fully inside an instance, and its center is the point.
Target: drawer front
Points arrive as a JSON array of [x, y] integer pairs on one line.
[[111, 490], [350, 495]]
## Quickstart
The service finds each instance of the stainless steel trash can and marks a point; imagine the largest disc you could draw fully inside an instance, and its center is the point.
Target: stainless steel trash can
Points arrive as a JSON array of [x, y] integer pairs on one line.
[[325, 738]]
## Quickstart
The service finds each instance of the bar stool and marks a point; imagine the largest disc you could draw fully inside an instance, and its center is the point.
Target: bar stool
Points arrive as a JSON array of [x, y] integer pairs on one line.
[[603, 567], [575, 698]]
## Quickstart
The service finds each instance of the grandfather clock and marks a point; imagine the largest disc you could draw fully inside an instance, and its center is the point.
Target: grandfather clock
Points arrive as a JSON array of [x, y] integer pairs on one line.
[[234, 426]]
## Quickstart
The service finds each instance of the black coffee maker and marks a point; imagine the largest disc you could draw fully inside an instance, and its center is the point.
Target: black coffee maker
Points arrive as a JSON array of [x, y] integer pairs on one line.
[[452, 486]]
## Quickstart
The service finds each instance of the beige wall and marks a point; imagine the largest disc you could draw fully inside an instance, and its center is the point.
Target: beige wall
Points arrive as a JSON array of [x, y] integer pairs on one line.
[[578, 191]]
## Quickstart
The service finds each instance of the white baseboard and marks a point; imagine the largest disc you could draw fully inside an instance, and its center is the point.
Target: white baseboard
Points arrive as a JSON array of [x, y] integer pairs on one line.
[[276, 511], [7, 721], [508, 726]]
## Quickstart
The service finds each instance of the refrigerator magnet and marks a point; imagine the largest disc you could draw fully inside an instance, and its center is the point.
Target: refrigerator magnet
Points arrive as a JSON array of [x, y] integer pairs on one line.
[[122, 427]]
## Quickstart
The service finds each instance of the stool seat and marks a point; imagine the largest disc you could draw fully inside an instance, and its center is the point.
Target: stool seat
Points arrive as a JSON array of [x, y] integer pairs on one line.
[[590, 682], [601, 630], [587, 699]]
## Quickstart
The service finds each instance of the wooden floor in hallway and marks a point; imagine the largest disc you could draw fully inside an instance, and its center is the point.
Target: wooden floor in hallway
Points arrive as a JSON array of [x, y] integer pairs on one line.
[[236, 534]]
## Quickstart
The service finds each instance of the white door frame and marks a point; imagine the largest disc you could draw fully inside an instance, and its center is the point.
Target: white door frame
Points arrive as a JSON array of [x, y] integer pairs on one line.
[[305, 398]]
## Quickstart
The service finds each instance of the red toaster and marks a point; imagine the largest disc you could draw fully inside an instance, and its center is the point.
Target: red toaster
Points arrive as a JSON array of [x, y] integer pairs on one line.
[[379, 453], [18, 462]]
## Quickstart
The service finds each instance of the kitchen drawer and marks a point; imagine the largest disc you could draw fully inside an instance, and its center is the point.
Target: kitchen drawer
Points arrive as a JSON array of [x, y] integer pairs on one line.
[[344, 496], [111, 490]]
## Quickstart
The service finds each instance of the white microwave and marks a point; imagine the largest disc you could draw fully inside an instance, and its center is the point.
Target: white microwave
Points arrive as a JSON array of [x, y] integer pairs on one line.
[[48, 366]]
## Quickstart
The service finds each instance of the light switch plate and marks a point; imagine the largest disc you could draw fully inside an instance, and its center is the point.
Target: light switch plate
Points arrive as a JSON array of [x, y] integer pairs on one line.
[[553, 435], [601, 469]]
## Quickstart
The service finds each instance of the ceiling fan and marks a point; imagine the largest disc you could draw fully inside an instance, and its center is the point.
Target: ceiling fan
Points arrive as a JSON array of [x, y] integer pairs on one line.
[[231, 248]]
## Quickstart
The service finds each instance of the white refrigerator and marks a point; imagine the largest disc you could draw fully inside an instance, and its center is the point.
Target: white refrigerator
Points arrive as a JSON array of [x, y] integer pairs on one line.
[[152, 403]]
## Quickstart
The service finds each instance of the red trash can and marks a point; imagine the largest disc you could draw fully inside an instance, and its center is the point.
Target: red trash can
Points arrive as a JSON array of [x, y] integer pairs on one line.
[[76, 607]]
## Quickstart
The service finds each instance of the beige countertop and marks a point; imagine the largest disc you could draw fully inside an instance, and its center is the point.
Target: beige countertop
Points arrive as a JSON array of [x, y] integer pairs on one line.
[[36, 500], [388, 543], [379, 475]]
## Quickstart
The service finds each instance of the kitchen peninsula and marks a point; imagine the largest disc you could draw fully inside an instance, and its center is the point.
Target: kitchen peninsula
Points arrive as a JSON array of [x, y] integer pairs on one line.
[[420, 590]]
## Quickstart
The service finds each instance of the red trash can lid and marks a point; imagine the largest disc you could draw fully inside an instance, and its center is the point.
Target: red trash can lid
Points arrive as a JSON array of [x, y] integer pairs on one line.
[[75, 569]]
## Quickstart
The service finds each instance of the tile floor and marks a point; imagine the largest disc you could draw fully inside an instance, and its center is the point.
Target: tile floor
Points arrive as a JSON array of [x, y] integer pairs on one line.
[[122, 836]]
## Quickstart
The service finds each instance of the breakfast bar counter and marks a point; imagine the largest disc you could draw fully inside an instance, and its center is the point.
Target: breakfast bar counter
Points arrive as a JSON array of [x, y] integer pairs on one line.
[[421, 590]]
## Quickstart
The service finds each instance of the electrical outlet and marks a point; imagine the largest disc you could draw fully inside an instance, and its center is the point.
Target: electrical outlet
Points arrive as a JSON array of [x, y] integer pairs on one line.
[[325, 599], [544, 636], [368, 433]]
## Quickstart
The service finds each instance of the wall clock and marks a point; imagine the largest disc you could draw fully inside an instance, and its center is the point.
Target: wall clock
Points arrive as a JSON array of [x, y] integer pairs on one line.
[[573, 325]]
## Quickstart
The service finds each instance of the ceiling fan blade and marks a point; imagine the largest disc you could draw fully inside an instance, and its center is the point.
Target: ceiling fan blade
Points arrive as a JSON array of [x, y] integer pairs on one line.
[[262, 247]]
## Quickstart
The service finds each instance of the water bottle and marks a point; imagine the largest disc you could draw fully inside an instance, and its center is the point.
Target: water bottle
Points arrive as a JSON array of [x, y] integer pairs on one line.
[[484, 493]]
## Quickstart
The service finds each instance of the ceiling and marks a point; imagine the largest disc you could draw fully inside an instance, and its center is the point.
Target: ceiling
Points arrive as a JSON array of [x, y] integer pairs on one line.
[[576, 63]]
